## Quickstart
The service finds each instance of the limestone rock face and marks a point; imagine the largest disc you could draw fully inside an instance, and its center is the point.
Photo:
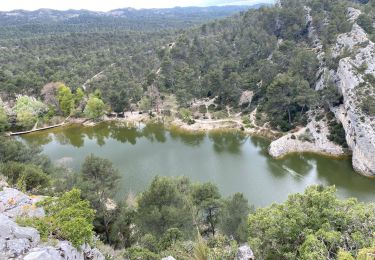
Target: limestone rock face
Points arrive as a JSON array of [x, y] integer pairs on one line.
[[15, 240], [312, 138], [353, 14], [24, 242], [63, 251], [353, 75], [348, 41], [354, 78], [245, 253], [14, 203], [168, 258]]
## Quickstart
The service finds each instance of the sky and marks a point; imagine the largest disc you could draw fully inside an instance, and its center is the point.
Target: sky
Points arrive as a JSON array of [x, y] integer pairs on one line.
[[106, 5]]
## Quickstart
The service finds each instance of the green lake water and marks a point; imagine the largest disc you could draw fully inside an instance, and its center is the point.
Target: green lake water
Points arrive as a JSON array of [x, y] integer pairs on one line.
[[233, 161]]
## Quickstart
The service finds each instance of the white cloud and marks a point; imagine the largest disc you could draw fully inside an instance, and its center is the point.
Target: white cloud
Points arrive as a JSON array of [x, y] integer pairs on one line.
[[100, 5]]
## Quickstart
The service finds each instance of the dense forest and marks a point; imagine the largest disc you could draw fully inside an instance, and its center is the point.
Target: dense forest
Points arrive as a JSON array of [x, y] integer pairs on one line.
[[95, 64], [46, 21], [267, 51]]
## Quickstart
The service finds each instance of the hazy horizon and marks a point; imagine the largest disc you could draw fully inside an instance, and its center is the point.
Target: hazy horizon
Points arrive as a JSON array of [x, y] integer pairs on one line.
[[9, 5]]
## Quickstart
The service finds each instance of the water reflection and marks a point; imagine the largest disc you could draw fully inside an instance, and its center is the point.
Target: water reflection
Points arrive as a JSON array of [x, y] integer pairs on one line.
[[125, 134], [76, 135], [154, 132], [187, 137], [71, 135], [202, 157], [40, 140], [230, 142]]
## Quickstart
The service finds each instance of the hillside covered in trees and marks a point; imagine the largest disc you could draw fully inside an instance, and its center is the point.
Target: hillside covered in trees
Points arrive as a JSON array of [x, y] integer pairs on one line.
[[279, 67], [302, 68]]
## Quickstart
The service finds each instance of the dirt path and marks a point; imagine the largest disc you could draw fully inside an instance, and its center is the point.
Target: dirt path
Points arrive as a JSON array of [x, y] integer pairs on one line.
[[96, 76]]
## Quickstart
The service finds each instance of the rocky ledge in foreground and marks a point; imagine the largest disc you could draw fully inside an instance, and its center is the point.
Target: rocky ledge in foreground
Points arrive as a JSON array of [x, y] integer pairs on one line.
[[24, 242]]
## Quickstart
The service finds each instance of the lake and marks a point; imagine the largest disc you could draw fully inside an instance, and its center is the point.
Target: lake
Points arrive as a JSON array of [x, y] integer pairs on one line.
[[233, 161]]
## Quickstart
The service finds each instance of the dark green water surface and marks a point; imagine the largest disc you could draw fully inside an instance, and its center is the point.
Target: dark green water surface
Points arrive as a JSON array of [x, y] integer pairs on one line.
[[233, 161]]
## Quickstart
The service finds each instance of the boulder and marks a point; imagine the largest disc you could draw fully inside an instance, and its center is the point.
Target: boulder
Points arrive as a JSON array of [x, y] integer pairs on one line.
[[5, 226], [45, 253], [353, 14], [27, 232], [92, 253], [14, 203], [22, 242], [168, 258], [245, 253], [12, 198], [68, 251], [17, 247]]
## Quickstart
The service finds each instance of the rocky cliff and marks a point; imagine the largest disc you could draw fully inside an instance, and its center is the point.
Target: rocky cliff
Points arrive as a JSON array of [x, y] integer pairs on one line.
[[355, 76], [18, 242], [355, 79]]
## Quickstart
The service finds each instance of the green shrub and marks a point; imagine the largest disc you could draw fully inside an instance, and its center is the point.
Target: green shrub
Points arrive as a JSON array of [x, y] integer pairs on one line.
[[337, 133], [311, 225], [211, 108], [26, 177], [368, 105], [202, 109], [170, 237], [220, 114], [366, 23], [186, 115], [149, 242], [246, 120], [4, 124], [140, 253], [68, 218], [306, 137]]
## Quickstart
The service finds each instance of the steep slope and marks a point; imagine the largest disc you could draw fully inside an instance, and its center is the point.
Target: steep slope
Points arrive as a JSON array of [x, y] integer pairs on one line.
[[315, 43], [354, 79], [300, 60], [356, 75]]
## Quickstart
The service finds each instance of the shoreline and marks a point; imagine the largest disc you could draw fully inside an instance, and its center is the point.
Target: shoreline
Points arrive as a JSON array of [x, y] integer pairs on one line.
[[200, 126]]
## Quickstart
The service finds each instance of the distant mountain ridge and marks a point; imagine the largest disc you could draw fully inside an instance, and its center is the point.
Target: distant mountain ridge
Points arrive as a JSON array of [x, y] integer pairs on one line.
[[190, 14]]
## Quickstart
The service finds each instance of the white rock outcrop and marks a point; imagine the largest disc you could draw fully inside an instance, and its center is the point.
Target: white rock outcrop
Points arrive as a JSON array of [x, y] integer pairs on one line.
[[348, 41], [18, 242], [353, 14], [359, 127], [14, 203], [244, 252], [312, 138], [15, 240], [168, 258], [353, 74]]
